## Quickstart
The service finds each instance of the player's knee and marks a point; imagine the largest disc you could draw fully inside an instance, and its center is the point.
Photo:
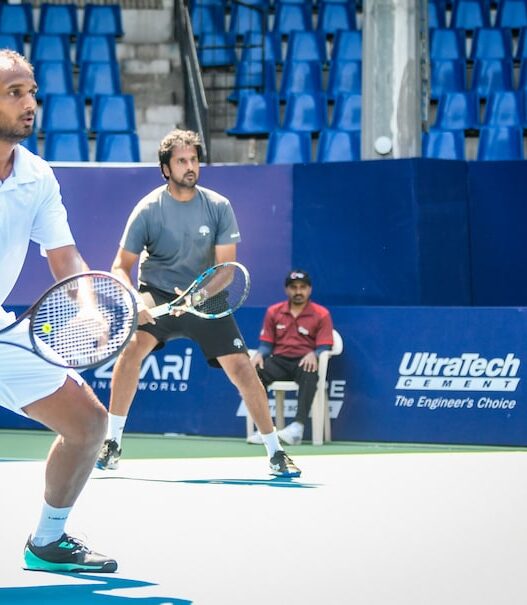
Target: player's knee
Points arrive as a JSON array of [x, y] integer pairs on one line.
[[92, 430]]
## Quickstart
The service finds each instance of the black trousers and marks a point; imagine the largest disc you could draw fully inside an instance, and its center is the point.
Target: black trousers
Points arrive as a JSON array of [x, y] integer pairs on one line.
[[277, 367]]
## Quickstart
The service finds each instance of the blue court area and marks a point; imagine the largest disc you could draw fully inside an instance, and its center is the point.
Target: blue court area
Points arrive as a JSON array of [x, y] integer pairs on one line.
[[369, 529]]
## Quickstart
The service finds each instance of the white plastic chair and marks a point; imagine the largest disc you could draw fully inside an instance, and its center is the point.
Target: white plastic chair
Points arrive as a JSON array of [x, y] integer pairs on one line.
[[320, 422]]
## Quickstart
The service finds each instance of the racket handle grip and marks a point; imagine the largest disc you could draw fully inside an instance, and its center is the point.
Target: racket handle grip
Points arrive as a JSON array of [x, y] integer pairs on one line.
[[163, 309]]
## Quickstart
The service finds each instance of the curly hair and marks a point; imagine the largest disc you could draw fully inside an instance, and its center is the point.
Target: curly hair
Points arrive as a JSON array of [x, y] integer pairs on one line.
[[177, 138]]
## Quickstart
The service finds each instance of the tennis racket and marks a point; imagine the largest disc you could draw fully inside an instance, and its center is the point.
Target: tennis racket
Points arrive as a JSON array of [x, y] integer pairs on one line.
[[217, 292], [80, 322]]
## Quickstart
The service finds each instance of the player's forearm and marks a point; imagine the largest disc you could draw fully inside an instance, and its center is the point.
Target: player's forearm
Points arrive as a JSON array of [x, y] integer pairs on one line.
[[65, 261]]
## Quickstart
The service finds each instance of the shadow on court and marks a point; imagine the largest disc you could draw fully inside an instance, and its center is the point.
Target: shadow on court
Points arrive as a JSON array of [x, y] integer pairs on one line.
[[275, 482], [81, 594]]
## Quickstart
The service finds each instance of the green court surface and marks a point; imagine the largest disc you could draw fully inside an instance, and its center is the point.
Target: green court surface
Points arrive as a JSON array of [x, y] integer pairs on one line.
[[34, 445]]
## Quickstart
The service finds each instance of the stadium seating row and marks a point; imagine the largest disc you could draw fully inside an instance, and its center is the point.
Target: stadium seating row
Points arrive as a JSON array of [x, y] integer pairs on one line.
[[74, 147], [57, 47], [486, 43], [462, 111], [486, 76], [286, 18], [494, 143], [61, 19], [290, 147], [259, 114], [471, 14], [67, 113]]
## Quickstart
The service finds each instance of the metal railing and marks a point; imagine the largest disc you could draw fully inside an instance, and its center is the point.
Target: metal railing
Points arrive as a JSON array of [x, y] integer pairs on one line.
[[195, 103]]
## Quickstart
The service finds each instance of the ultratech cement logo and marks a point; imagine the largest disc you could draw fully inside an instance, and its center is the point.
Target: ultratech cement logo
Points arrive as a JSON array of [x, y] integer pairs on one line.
[[468, 372]]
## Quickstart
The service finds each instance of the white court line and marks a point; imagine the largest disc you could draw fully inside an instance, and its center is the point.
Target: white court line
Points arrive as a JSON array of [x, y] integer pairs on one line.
[[397, 529]]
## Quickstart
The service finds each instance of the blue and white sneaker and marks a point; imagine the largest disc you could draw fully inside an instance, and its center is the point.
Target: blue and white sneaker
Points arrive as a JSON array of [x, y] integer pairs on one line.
[[66, 554]]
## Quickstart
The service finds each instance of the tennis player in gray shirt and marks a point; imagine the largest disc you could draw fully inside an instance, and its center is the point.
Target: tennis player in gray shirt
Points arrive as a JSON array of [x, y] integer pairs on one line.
[[175, 233]]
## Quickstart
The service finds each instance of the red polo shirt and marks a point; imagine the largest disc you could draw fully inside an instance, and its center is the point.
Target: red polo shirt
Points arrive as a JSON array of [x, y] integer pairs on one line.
[[295, 336]]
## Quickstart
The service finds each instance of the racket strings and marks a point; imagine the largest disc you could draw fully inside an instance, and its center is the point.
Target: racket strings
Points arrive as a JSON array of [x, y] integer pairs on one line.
[[226, 290], [83, 332]]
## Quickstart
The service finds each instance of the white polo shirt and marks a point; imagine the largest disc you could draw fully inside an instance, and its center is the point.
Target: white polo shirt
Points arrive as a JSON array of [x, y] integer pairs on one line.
[[30, 209]]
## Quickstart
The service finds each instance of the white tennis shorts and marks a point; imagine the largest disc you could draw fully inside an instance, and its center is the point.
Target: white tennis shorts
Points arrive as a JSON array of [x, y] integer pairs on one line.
[[25, 377]]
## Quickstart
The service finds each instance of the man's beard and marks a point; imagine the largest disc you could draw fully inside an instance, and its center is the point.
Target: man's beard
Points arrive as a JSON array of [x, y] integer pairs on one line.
[[15, 135]]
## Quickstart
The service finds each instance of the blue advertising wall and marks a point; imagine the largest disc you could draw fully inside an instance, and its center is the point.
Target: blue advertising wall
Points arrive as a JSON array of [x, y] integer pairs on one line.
[[404, 253], [407, 374]]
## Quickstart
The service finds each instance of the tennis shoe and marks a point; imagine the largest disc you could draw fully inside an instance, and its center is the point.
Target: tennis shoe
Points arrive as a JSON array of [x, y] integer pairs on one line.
[[282, 466], [292, 434], [255, 439], [109, 455], [67, 554]]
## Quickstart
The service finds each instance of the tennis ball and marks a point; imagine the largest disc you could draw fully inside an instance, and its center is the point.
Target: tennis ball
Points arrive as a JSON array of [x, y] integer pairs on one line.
[[47, 328]]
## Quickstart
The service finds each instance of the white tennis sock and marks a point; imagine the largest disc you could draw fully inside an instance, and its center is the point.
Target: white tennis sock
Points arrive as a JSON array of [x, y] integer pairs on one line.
[[116, 427], [51, 524], [271, 443]]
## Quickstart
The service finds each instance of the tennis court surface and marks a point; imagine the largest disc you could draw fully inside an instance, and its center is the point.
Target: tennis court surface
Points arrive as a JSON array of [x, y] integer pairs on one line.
[[411, 527]]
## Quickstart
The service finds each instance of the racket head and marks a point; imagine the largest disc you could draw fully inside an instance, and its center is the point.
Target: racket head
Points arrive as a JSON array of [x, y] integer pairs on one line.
[[84, 320], [220, 290]]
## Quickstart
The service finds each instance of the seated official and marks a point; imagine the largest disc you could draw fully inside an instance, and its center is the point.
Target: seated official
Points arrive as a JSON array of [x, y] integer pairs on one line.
[[293, 335]]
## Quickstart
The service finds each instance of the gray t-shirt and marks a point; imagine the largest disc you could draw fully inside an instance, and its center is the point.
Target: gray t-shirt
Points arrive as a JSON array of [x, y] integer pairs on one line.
[[176, 240]]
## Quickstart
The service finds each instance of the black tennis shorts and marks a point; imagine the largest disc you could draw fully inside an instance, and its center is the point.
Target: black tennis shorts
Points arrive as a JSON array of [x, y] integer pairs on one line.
[[216, 337]]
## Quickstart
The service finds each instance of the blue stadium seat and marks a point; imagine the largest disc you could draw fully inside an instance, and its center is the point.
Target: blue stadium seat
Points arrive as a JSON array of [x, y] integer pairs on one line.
[[306, 46], [491, 75], [344, 76], [333, 17], [16, 19], [53, 77], [338, 146], [308, 3], [436, 14], [511, 14], [500, 143], [491, 43], [103, 19], [447, 75], [58, 19], [117, 147], [13, 42], [347, 46], [522, 81], [113, 113], [253, 75], [257, 114], [207, 19], [66, 147], [95, 47], [447, 44], [521, 49], [63, 113], [470, 14], [258, 47], [292, 17], [347, 112], [248, 19], [99, 78], [505, 108], [31, 143], [222, 3], [306, 112], [216, 50], [457, 111], [288, 147], [444, 144], [300, 76], [50, 47]]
